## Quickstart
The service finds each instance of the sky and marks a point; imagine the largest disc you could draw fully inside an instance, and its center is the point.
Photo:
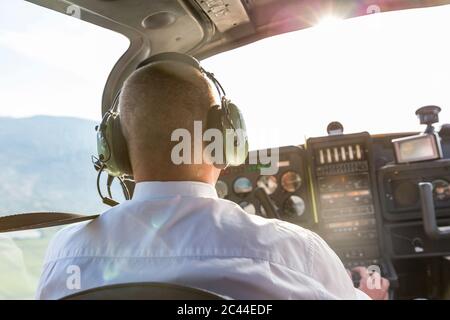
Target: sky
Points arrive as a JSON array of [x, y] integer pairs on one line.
[[52, 63], [370, 73]]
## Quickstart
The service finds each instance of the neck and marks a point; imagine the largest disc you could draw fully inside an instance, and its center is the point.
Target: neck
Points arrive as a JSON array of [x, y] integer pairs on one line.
[[198, 173]]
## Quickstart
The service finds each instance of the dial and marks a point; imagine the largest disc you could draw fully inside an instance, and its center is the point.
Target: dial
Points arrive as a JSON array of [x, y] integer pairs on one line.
[[242, 186], [441, 190], [268, 183], [248, 207], [291, 181], [406, 193], [294, 206], [222, 189]]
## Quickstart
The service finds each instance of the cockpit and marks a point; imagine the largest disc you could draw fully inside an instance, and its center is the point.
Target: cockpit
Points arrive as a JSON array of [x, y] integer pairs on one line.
[[346, 106]]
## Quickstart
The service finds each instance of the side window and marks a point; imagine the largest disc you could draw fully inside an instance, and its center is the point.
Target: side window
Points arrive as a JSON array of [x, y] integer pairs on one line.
[[53, 71]]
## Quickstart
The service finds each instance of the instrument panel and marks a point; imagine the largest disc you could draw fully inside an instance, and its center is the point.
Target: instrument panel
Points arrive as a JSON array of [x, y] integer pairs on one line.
[[348, 189], [287, 189], [326, 186], [399, 186], [346, 197]]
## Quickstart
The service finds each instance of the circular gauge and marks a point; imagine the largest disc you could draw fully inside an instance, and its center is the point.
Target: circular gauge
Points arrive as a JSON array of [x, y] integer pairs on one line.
[[242, 186], [291, 181], [441, 190], [222, 189], [406, 194], [294, 206], [268, 183], [248, 207]]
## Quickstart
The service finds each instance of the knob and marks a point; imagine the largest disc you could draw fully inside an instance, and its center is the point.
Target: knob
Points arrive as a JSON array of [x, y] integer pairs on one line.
[[428, 115], [335, 128]]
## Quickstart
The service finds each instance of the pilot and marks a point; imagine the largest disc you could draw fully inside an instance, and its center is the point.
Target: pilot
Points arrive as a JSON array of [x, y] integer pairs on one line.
[[176, 229]]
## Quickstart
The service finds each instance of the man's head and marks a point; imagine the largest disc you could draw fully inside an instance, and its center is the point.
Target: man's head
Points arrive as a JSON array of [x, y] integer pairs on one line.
[[155, 101]]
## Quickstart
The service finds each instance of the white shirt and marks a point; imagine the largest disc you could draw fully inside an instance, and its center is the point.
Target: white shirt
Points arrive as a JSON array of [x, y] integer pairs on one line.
[[182, 233]]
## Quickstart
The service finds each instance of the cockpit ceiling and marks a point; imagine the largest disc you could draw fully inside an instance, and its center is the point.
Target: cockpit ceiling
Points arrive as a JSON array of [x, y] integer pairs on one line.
[[206, 27]]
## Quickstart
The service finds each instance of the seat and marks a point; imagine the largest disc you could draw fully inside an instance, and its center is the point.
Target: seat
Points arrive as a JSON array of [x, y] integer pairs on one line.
[[145, 291]]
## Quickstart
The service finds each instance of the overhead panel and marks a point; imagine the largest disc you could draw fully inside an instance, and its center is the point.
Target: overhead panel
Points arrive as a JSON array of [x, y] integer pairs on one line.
[[225, 14]]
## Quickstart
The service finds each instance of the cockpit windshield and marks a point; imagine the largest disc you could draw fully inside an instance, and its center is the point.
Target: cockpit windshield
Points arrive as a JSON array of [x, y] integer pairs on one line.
[[370, 73]]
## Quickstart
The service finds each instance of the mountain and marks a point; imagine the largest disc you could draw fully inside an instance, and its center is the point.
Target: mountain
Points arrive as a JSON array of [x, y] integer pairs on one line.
[[45, 164]]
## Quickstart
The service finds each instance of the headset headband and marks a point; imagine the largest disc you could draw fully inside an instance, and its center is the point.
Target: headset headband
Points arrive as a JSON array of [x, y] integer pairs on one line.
[[186, 59], [171, 56]]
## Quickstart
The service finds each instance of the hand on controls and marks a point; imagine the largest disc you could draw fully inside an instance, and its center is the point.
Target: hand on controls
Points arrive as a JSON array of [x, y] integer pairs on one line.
[[371, 283]]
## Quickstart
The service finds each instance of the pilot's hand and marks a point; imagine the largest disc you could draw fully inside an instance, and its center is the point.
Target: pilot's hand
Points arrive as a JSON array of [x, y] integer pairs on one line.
[[372, 284]]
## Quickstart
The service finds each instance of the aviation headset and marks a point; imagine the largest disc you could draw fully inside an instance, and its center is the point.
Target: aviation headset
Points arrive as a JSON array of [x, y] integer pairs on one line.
[[112, 148]]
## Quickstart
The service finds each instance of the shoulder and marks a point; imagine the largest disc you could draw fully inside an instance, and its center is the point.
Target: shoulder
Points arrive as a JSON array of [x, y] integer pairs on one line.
[[61, 243], [70, 239], [286, 243], [233, 214]]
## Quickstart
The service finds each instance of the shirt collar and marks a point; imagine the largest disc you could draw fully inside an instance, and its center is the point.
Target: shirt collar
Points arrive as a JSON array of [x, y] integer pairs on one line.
[[167, 189]]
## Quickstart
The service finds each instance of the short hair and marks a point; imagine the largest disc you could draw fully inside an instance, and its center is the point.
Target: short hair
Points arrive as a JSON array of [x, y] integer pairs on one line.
[[158, 99]]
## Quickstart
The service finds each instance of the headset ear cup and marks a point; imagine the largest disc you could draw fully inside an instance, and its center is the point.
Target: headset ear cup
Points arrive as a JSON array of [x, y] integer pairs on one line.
[[103, 149], [120, 149], [112, 147], [240, 139], [229, 121], [215, 121]]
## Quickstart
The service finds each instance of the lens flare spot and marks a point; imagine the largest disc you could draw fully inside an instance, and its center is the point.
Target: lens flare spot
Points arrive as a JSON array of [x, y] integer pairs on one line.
[[328, 22], [157, 220], [112, 270]]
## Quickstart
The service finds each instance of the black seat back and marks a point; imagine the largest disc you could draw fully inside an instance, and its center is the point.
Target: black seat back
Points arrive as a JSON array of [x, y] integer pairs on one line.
[[144, 291]]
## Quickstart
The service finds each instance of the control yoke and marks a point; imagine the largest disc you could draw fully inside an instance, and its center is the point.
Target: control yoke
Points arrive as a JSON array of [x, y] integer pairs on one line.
[[429, 213], [267, 204]]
